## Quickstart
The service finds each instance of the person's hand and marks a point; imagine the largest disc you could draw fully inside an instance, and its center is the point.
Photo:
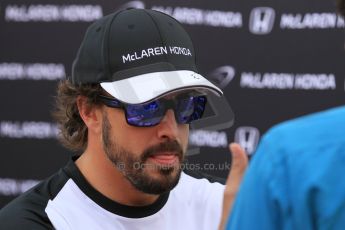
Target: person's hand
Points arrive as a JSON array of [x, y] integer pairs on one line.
[[238, 167]]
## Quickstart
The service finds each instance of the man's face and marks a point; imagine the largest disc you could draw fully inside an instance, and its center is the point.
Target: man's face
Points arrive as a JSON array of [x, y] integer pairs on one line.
[[149, 157]]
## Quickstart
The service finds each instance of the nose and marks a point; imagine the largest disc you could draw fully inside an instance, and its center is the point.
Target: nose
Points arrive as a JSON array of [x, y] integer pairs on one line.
[[168, 127]]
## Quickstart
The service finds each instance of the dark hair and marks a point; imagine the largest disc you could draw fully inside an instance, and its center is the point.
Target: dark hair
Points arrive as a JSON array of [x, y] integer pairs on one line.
[[73, 131], [341, 7]]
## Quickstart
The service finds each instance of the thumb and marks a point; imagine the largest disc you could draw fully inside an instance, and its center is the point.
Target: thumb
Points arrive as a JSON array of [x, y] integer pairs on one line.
[[239, 164]]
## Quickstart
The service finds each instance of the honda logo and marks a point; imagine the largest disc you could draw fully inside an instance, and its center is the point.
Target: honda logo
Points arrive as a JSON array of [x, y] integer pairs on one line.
[[261, 20], [248, 138]]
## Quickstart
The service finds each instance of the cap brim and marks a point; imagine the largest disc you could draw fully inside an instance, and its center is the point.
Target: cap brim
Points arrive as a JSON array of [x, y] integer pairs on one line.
[[145, 87]]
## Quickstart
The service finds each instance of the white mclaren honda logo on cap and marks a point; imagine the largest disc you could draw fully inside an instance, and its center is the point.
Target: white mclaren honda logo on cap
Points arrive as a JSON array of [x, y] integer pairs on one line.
[[156, 51]]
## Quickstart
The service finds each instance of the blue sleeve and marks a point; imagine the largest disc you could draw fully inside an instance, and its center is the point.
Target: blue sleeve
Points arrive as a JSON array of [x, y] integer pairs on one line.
[[294, 180], [263, 196]]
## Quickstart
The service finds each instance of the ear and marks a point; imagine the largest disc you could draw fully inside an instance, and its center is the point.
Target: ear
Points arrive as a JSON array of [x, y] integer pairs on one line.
[[91, 115]]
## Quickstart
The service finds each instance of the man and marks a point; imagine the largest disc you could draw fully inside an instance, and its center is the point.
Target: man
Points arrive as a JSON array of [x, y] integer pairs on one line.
[[134, 90], [295, 178]]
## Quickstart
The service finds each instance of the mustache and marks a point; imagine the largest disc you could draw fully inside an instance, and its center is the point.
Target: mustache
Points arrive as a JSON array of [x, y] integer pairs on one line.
[[168, 146]]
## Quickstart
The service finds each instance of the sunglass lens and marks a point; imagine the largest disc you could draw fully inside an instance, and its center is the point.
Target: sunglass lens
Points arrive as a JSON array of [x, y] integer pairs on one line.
[[145, 115], [190, 109]]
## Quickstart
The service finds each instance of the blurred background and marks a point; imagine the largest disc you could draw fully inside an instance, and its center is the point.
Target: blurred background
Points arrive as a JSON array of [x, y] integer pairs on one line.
[[275, 60]]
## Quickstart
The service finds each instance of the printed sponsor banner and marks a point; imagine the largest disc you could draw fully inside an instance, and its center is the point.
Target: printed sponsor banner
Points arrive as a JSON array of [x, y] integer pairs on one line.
[[15, 187], [28, 129], [34, 71], [274, 61], [51, 13], [286, 81]]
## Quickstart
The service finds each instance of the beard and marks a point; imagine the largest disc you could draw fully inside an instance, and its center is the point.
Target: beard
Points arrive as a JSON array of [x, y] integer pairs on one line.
[[135, 169]]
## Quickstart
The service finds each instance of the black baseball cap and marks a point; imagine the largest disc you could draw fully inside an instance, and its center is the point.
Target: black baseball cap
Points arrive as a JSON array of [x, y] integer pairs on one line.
[[138, 55]]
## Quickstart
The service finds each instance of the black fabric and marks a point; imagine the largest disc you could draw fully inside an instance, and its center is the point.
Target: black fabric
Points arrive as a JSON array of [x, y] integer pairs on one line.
[[156, 67], [100, 55], [89, 65], [28, 210]]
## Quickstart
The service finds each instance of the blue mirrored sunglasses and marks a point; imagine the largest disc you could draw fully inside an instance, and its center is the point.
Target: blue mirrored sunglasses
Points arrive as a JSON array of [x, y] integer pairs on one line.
[[187, 108]]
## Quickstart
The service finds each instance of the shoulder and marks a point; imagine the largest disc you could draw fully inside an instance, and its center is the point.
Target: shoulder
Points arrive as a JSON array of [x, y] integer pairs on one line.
[[28, 210], [304, 154], [306, 135], [194, 196], [292, 150], [197, 189], [24, 213], [300, 145], [323, 127]]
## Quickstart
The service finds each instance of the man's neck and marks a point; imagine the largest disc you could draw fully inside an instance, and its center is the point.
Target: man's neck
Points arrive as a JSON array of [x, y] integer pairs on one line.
[[108, 180]]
